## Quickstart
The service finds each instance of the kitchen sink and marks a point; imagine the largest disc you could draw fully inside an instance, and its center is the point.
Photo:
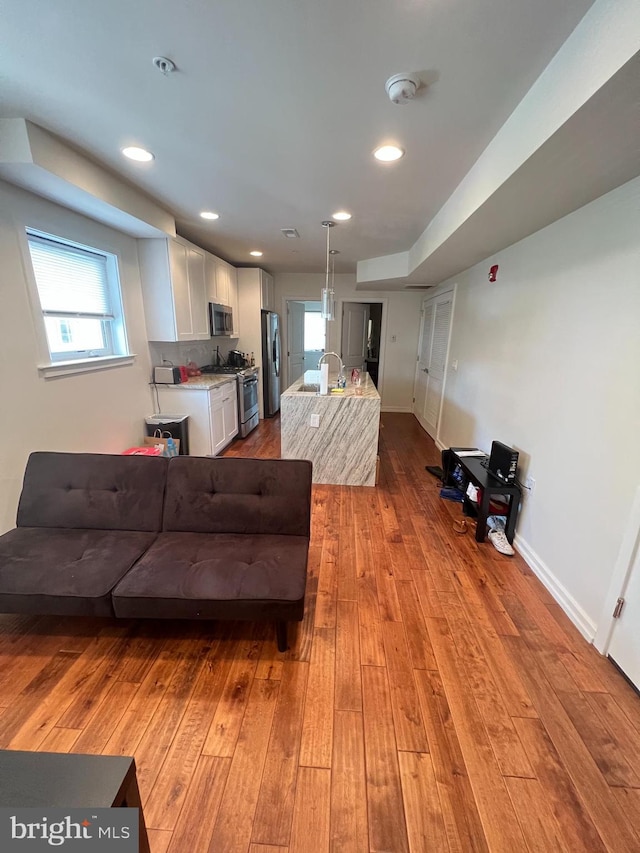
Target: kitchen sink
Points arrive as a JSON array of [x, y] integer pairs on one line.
[[312, 387]]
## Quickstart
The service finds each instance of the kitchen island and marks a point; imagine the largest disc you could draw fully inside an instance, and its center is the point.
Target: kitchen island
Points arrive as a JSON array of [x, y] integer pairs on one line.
[[338, 431]]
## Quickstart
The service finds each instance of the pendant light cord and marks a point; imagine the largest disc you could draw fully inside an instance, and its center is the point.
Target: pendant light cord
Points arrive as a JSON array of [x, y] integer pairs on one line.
[[326, 284]]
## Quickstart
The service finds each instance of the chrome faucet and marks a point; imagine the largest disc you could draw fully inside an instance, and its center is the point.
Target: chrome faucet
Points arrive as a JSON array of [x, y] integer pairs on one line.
[[336, 356], [341, 377]]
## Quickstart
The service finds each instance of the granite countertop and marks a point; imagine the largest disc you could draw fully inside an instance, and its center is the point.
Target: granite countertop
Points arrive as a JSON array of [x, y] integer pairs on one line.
[[366, 391], [204, 382]]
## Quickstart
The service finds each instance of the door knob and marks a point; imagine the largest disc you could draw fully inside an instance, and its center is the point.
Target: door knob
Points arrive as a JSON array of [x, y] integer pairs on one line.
[[425, 369]]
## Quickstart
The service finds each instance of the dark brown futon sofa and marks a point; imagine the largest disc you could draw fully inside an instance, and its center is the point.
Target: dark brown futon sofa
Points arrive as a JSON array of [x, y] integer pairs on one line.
[[141, 537]]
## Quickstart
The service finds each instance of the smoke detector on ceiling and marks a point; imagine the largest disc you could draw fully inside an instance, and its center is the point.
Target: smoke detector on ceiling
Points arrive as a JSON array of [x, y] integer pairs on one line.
[[163, 64], [401, 88]]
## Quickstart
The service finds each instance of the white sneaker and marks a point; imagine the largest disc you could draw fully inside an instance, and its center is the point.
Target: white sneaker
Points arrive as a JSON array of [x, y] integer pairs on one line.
[[498, 539], [495, 522]]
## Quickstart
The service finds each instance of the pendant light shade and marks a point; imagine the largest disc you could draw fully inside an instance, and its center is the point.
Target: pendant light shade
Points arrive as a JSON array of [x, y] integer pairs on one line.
[[328, 311]]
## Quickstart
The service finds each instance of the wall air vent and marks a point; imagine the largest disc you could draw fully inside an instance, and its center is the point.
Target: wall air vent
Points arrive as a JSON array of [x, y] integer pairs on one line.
[[289, 232]]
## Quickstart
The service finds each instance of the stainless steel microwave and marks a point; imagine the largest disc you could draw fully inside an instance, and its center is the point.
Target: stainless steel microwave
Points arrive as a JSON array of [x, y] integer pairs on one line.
[[221, 320]]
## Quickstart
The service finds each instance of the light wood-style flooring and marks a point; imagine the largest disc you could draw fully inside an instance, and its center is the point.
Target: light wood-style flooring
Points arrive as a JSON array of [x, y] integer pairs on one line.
[[435, 698]]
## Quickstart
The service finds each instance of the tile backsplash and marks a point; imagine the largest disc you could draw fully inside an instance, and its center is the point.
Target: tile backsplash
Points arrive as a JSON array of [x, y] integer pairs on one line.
[[200, 352]]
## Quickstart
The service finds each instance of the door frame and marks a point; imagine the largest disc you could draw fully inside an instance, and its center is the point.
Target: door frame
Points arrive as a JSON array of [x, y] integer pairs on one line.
[[336, 339], [285, 362], [284, 328], [620, 577], [440, 290]]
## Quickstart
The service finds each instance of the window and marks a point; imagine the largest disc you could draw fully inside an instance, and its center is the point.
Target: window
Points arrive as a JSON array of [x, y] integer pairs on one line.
[[314, 330], [79, 294]]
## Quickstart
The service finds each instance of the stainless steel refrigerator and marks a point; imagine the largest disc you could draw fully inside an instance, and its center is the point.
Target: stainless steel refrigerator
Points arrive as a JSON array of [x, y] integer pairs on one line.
[[271, 362]]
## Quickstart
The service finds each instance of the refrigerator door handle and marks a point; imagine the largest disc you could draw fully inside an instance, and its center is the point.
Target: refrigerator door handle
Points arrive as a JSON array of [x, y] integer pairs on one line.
[[276, 353]]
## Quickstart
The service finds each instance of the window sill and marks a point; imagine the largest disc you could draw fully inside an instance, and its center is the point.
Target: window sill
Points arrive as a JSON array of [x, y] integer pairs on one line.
[[53, 370]]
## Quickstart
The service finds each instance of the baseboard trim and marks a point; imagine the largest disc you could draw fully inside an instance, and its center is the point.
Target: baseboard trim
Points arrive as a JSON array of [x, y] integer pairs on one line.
[[580, 619], [396, 409]]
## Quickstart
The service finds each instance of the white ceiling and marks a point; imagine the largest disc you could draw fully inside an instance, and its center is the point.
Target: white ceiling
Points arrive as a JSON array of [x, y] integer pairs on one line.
[[277, 105]]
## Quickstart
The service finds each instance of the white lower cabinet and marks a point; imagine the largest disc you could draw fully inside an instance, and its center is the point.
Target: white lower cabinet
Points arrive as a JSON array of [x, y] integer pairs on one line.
[[223, 408], [213, 415], [230, 412]]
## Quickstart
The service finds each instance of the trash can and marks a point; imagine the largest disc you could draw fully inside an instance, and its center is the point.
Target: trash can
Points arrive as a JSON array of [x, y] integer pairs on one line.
[[176, 425]]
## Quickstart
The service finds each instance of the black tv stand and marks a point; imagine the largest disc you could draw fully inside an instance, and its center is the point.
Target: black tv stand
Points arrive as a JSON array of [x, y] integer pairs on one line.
[[475, 472]]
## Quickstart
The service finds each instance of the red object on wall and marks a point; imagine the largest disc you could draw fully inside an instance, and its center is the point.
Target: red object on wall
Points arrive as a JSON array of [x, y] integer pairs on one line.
[[493, 272]]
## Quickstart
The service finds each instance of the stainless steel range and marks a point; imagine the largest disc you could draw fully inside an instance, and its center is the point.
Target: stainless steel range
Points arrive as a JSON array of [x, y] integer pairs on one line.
[[248, 415]]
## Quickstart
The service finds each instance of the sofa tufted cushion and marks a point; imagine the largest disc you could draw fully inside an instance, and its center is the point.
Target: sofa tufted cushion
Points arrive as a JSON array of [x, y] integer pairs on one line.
[[65, 572], [234, 495], [213, 576], [93, 490]]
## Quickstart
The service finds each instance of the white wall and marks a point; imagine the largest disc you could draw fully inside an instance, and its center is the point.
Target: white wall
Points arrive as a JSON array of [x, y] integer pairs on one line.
[[101, 411], [549, 358], [402, 323]]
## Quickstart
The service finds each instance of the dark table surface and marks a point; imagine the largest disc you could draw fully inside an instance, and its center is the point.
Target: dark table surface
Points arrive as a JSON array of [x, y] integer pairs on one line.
[[31, 779]]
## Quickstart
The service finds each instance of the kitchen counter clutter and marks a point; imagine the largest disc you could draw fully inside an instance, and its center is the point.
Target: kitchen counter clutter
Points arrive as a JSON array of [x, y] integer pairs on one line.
[[200, 383], [338, 431]]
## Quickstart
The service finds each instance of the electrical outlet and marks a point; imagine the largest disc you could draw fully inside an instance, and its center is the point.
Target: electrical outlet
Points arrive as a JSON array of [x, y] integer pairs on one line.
[[314, 420], [394, 338], [530, 484], [454, 364]]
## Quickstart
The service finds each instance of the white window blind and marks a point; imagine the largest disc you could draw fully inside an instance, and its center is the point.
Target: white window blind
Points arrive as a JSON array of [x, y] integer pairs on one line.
[[80, 299], [71, 281]]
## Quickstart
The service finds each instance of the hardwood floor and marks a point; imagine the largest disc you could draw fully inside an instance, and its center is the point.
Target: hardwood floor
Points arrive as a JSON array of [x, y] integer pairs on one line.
[[435, 697]]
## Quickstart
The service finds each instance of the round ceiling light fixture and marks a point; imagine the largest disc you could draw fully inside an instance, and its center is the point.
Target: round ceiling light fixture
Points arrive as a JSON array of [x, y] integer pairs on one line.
[[388, 153], [140, 155], [209, 214], [401, 88], [256, 253], [341, 216]]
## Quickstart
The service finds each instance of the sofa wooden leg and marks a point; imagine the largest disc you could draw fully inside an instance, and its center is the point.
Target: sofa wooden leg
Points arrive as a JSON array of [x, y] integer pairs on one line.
[[281, 634]]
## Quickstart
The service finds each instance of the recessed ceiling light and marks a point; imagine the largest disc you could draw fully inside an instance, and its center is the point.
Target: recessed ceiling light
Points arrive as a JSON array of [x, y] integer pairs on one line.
[[209, 214], [139, 154], [341, 216], [388, 153], [256, 254]]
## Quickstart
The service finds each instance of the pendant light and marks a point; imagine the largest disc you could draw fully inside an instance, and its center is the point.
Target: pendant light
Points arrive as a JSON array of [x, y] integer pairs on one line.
[[328, 295]]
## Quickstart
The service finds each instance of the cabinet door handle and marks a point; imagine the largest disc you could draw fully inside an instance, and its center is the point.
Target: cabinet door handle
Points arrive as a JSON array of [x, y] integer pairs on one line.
[[226, 399]]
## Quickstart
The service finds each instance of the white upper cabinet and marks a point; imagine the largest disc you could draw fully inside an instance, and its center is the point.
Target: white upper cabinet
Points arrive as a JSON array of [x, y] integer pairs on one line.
[[198, 293], [174, 290], [224, 275], [210, 275], [221, 285], [268, 300], [233, 301]]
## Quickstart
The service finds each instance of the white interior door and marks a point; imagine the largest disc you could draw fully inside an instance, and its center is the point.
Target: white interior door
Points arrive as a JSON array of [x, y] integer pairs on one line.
[[432, 360], [295, 339], [624, 647], [355, 322], [424, 359]]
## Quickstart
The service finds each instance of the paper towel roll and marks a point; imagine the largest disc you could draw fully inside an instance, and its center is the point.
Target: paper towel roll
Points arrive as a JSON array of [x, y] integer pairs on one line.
[[324, 378]]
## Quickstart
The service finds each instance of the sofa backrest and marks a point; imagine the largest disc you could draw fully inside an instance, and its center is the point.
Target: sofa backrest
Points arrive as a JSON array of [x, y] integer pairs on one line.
[[93, 491], [235, 495]]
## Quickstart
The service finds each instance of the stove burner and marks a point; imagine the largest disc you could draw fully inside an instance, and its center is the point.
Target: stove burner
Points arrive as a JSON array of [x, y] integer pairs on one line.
[[220, 368]]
